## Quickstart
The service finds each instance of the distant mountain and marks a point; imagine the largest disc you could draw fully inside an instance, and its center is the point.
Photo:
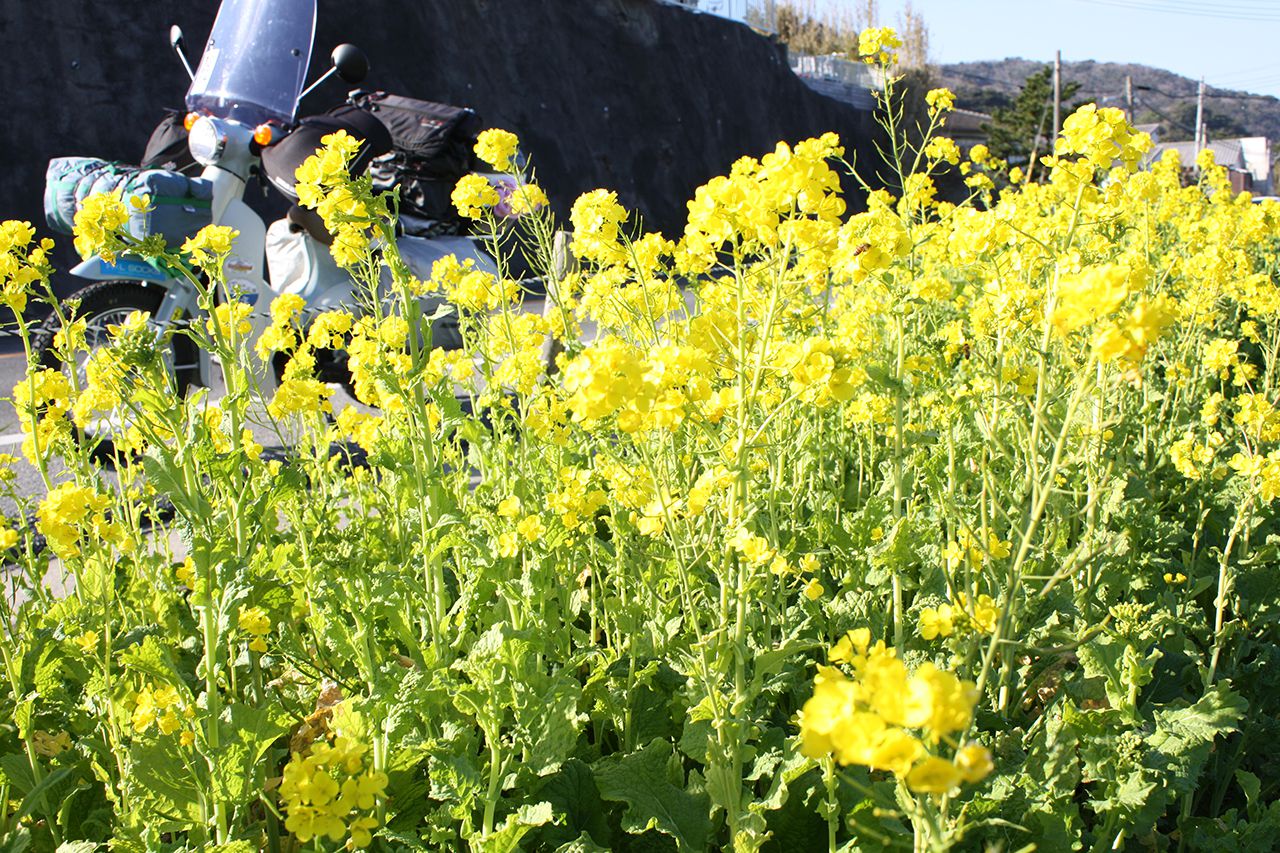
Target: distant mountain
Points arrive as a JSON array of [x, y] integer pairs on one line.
[[1159, 96]]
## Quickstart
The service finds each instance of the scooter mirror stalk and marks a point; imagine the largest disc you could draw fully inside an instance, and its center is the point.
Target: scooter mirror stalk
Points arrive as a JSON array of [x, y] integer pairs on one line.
[[179, 44], [349, 63]]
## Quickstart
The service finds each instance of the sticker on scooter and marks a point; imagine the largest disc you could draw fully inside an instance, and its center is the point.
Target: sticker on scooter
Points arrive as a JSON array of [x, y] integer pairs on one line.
[[126, 268]]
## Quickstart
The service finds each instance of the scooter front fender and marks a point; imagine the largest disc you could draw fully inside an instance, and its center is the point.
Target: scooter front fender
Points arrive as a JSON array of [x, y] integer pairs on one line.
[[179, 298], [97, 268]]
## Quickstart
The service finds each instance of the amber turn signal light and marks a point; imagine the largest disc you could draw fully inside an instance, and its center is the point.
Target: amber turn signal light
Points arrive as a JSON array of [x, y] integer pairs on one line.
[[191, 119], [263, 134]]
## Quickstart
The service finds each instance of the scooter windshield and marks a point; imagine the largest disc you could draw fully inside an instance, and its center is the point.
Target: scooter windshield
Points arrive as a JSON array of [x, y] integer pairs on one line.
[[255, 63]]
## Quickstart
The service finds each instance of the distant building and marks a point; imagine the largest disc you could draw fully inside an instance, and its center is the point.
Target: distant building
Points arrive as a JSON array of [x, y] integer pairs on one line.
[[966, 128], [837, 77], [736, 9], [1247, 160], [1152, 130]]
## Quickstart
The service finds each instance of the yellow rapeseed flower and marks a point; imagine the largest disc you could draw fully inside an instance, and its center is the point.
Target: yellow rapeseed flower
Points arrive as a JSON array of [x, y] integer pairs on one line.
[[497, 147]]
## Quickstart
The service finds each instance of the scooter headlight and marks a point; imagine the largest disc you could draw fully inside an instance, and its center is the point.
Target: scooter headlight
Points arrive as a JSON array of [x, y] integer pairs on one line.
[[207, 141]]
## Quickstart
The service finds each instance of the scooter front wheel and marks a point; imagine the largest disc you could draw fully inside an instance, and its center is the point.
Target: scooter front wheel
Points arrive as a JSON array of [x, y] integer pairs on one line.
[[104, 304]]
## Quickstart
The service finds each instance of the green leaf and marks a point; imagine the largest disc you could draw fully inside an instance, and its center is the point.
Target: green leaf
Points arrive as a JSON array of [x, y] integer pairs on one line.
[[573, 795], [553, 731], [790, 769], [1103, 657], [77, 847], [1126, 795], [1251, 786], [640, 780], [506, 838], [149, 657], [32, 800], [247, 734], [16, 841], [1216, 713], [1052, 765], [166, 477], [16, 770], [1180, 745], [160, 784], [581, 844]]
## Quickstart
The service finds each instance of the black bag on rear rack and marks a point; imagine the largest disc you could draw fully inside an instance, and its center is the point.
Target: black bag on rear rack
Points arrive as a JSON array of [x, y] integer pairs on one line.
[[433, 146], [167, 148]]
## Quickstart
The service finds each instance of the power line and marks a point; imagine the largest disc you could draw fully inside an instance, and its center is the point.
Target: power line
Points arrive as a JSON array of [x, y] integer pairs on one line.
[[1202, 7], [1249, 73], [1259, 15]]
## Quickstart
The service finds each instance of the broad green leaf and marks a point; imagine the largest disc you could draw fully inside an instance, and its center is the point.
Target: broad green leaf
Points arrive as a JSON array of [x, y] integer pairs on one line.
[[1216, 713], [1103, 657], [16, 841], [553, 732], [572, 794], [149, 657], [161, 783], [43, 789], [247, 734], [581, 844], [640, 780], [506, 838], [16, 770]]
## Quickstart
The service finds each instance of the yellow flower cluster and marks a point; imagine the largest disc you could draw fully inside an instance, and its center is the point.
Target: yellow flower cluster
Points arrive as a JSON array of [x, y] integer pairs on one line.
[[283, 334], [209, 246], [70, 511], [230, 321], [300, 396], [526, 199], [471, 289], [876, 45], [255, 622], [50, 746], [41, 400], [1102, 138], [940, 101], [97, 225], [497, 147], [864, 719], [329, 791], [162, 707], [641, 390], [473, 195], [21, 264], [324, 186], [943, 620]]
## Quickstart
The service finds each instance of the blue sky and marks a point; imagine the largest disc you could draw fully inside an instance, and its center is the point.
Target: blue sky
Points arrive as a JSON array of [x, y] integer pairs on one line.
[[1233, 44]]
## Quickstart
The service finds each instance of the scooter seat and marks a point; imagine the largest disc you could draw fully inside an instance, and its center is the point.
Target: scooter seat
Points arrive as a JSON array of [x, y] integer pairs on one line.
[[304, 219]]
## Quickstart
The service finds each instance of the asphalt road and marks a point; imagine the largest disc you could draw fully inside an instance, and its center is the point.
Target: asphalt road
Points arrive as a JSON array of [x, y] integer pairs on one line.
[[12, 369]]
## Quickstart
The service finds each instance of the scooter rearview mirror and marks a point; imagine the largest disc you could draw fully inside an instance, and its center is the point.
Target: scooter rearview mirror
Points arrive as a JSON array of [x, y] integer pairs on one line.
[[350, 62], [178, 44]]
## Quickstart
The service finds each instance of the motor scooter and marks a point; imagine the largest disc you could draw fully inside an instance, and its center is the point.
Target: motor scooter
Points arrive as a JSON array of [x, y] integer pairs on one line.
[[243, 99]]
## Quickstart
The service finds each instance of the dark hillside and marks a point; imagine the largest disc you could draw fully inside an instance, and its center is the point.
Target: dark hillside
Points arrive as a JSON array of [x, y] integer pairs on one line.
[[636, 95]]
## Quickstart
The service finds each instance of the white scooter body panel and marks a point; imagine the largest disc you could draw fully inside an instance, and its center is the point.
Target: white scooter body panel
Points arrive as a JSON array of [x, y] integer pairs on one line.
[[300, 265]]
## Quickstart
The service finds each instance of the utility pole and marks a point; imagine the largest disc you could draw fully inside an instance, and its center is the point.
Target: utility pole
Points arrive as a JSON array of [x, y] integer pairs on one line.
[[1057, 97], [1200, 134], [1128, 97]]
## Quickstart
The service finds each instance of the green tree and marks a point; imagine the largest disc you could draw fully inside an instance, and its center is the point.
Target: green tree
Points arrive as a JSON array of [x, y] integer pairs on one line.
[[1024, 127]]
